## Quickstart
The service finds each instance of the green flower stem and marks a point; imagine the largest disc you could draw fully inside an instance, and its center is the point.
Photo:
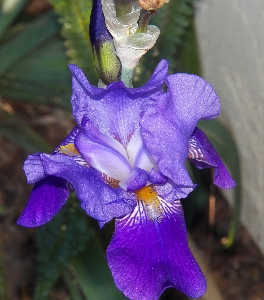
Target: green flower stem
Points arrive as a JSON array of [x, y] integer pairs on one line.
[[144, 18], [127, 76]]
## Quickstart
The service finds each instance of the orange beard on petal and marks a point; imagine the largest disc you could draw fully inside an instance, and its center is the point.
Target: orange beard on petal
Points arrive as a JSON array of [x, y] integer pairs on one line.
[[68, 149], [151, 203]]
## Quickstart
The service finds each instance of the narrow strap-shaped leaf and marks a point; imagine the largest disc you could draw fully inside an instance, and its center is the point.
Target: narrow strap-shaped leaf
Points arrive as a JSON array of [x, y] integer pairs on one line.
[[225, 145], [9, 11], [58, 242], [26, 138], [75, 18], [34, 34], [74, 290], [26, 92], [92, 272], [23, 136], [42, 76]]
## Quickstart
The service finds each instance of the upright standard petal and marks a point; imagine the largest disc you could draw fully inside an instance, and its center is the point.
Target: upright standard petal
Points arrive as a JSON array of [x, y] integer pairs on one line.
[[167, 125], [190, 98], [47, 198], [166, 144], [156, 80], [115, 111], [146, 256], [203, 155]]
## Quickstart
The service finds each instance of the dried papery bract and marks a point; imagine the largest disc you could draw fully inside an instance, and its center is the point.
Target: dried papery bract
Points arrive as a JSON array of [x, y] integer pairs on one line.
[[123, 7], [152, 4], [130, 46]]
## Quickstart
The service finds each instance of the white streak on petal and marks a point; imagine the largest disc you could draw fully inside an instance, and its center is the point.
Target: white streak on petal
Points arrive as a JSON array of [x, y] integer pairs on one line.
[[108, 162], [93, 133], [140, 213], [195, 152], [138, 154], [102, 158]]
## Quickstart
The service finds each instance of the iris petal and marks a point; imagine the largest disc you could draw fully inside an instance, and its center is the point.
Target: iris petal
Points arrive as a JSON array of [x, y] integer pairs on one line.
[[115, 111], [135, 181], [203, 155], [167, 126], [95, 135], [138, 154], [33, 168], [171, 192], [103, 159], [46, 199], [156, 177], [156, 80], [166, 144], [190, 98], [98, 199], [146, 256]]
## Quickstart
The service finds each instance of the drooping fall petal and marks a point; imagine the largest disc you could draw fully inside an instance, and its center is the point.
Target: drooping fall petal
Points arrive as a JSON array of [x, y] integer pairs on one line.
[[203, 155], [147, 256], [47, 198]]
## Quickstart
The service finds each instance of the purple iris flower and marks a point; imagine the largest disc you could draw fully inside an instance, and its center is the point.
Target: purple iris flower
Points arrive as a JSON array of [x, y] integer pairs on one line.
[[126, 160]]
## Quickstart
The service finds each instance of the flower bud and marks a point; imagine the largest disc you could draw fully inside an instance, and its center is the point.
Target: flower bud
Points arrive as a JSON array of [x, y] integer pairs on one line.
[[152, 4], [107, 64]]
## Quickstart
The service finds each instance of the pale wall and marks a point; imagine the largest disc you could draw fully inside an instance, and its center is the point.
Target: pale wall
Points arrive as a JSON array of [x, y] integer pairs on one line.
[[231, 43]]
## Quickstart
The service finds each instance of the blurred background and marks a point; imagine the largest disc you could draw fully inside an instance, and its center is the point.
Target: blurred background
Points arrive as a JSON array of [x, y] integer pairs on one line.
[[65, 259]]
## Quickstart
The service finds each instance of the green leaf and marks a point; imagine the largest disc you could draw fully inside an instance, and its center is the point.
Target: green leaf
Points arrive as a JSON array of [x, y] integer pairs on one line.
[[93, 275], [197, 201], [35, 33], [72, 285], [174, 18], [75, 18], [58, 242], [226, 147], [47, 79], [25, 137], [9, 11], [30, 93], [188, 56]]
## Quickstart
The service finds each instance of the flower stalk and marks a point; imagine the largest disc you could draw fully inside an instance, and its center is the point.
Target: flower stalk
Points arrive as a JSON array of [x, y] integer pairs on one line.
[[144, 19]]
